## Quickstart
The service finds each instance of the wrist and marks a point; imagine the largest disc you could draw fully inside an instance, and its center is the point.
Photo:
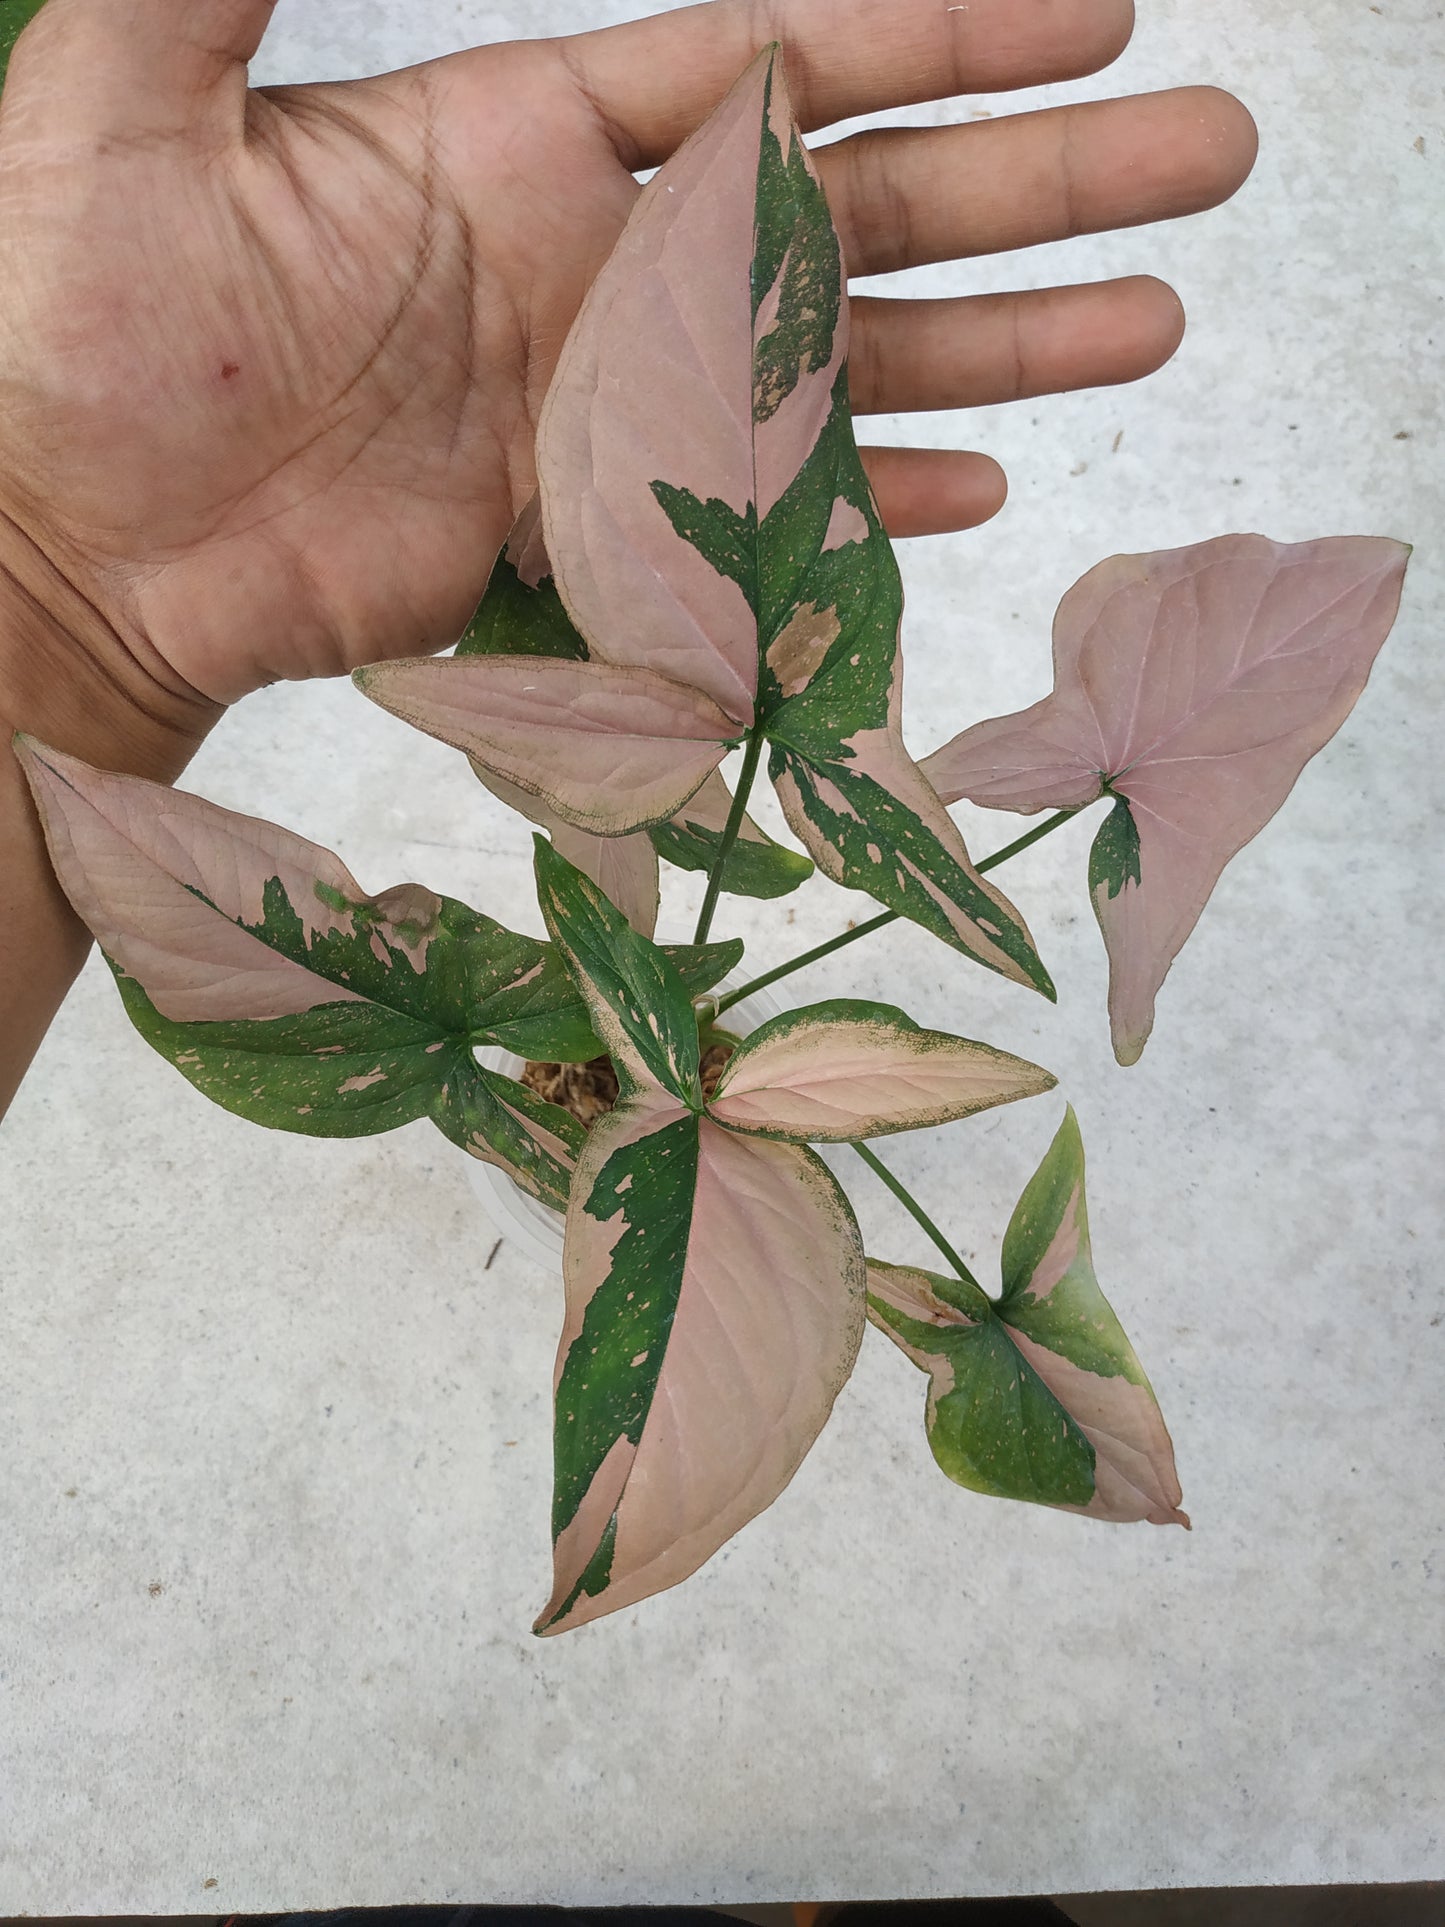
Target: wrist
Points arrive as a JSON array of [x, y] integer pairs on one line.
[[80, 677]]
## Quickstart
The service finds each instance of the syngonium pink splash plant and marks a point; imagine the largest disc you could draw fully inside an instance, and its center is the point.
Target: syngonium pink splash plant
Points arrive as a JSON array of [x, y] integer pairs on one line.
[[704, 570]]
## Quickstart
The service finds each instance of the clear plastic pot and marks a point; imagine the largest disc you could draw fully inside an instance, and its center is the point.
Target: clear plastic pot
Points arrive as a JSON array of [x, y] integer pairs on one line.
[[534, 1227]]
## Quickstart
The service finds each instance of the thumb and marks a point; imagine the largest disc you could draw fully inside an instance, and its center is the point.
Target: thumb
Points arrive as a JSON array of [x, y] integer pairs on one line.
[[127, 68]]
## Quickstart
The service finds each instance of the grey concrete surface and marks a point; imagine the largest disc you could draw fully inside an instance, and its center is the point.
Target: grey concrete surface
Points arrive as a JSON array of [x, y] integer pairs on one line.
[[274, 1447]]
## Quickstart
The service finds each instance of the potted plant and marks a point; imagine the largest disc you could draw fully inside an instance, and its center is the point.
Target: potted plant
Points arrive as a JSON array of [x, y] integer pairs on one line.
[[705, 571]]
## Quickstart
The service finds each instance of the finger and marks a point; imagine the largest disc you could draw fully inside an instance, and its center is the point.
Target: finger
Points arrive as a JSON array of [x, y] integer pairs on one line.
[[934, 491], [905, 196], [987, 348], [654, 81], [132, 67]]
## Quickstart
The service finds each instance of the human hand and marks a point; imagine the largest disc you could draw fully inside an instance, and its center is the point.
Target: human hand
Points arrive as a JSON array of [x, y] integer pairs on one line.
[[271, 362]]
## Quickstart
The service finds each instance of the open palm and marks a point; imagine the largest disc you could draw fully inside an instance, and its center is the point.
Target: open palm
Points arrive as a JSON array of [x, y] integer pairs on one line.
[[271, 362]]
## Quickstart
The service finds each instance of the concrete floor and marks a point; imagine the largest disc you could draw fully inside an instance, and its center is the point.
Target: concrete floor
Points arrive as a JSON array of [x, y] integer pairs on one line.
[[275, 1527]]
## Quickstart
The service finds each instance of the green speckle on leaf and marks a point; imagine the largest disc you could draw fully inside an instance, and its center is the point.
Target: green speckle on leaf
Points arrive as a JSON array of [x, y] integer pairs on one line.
[[333, 898], [1114, 859]]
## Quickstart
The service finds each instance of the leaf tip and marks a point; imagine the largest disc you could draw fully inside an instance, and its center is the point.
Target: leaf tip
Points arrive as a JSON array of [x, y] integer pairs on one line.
[[1129, 1049], [373, 682], [38, 761]]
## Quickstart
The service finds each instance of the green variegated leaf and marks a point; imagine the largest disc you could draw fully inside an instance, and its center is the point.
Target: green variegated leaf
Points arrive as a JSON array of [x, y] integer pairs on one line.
[[755, 866], [640, 1006], [1037, 1395], [353, 1070], [877, 827], [702, 966], [842, 1071], [338, 1070], [256, 964], [714, 1310]]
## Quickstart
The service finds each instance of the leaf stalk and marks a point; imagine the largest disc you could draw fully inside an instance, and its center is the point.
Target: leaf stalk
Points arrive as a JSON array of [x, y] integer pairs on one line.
[[752, 755], [916, 1211]]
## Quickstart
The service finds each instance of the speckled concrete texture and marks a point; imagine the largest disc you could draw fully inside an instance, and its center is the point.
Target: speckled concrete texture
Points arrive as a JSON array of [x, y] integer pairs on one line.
[[275, 1441]]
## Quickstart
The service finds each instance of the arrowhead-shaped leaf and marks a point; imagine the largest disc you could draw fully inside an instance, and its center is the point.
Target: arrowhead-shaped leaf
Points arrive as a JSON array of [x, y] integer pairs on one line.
[[640, 1005], [715, 1303], [841, 1071], [255, 963], [608, 750], [1036, 1395], [710, 519], [1195, 685]]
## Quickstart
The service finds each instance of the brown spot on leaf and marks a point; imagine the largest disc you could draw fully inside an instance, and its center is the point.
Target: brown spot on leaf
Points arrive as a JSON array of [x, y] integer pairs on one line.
[[798, 653], [361, 1083]]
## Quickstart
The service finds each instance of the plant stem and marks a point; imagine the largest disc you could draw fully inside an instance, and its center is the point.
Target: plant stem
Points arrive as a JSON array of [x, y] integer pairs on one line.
[[916, 1211], [751, 758], [889, 916], [1026, 842], [808, 957]]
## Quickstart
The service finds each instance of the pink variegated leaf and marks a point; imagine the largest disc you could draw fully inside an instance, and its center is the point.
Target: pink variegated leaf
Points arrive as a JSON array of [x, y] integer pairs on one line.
[[1038, 1394], [708, 513], [254, 962], [607, 750], [837, 1072], [1192, 685], [715, 1304]]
